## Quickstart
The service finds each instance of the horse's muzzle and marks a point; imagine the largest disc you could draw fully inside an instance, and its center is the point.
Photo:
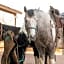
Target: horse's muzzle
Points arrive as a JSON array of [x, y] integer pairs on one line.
[[30, 38]]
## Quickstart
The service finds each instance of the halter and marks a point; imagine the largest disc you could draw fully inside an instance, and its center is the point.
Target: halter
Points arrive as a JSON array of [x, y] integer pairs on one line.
[[29, 39], [32, 28], [36, 29]]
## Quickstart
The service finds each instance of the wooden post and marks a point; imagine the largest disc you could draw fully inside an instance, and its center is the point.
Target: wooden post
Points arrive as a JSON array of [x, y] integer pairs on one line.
[[1, 30]]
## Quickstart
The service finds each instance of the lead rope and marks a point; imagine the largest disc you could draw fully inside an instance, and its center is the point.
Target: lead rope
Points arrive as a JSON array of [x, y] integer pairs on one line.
[[29, 39], [17, 51]]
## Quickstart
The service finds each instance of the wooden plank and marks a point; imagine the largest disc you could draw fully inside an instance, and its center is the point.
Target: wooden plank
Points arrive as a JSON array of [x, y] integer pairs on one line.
[[59, 51], [8, 9], [1, 44], [29, 50]]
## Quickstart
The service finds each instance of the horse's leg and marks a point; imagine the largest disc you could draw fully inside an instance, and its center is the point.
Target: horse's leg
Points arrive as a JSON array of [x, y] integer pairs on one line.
[[42, 59], [8, 45], [52, 60], [14, 57], [46, 57], [36, 60], [41, 56], [36, 55], [52, 56]]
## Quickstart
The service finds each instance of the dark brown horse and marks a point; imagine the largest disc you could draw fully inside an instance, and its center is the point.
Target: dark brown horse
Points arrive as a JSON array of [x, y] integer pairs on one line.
[[41, 29], [8, 32], [9, 49]]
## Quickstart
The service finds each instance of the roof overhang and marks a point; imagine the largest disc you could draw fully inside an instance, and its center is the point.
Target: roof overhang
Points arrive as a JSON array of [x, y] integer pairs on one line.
[[8, 9]]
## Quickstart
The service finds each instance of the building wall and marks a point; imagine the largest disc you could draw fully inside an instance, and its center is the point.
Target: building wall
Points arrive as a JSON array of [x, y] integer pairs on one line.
[[7, 18]]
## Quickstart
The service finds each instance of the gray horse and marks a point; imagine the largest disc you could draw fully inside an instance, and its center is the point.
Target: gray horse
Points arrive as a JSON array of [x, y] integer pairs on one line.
[[41, 29]]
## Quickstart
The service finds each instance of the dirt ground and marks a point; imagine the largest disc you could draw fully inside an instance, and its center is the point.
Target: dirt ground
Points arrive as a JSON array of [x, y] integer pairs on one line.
[[29, 58]]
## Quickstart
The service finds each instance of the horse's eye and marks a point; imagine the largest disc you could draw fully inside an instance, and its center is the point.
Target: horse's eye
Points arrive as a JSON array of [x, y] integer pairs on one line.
[[52, 11]]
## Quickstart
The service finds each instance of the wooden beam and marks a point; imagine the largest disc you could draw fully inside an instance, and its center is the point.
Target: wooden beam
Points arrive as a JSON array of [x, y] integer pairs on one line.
[[8, 9]]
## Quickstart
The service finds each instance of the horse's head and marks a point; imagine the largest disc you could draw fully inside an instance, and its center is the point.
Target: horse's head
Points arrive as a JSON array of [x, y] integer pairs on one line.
[[8, 35], [30, 22], [54, 11]]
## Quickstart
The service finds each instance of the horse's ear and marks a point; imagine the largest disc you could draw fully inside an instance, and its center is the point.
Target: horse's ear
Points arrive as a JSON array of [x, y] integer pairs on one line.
[[25, 10], [51, 7]]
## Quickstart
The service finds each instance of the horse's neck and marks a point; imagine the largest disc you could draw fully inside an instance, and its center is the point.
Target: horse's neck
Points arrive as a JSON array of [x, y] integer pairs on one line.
[[58, 21], [52, 16]]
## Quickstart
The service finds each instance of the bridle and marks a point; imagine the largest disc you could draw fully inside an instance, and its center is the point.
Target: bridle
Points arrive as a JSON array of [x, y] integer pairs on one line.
[[31, 28], [28, 28]]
